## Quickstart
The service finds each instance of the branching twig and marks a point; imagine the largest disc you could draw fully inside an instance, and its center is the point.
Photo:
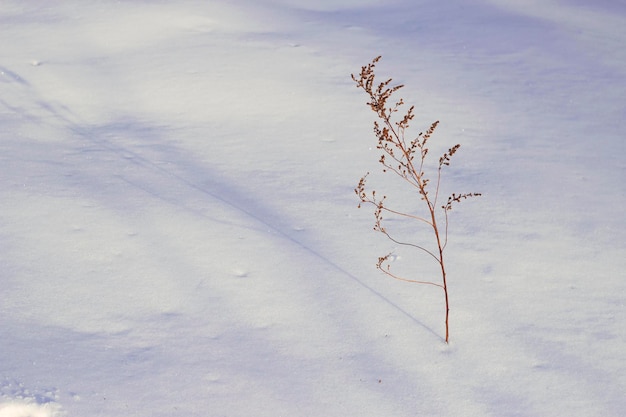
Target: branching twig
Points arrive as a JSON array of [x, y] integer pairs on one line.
[[398, 156]]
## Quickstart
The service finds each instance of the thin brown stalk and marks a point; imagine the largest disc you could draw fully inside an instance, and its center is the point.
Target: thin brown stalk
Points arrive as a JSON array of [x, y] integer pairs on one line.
[[398, 156]]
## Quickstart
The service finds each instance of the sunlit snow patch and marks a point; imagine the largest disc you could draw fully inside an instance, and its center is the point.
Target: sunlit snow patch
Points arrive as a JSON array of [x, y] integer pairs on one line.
[[24, 409]]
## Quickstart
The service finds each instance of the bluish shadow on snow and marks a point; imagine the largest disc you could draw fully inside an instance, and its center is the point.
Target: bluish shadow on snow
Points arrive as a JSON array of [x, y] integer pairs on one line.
[[8, 76], [117, 162], [164, 167], [169, 355]]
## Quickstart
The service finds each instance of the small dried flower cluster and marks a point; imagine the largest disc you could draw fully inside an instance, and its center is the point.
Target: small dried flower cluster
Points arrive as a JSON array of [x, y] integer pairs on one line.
[[456, 198]]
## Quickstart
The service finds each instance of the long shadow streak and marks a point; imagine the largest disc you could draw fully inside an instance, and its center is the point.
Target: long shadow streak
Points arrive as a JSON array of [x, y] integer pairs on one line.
[[237, 205]]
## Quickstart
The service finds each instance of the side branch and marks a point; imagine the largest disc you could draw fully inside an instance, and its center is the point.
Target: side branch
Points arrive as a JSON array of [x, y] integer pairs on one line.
[[383, 260]]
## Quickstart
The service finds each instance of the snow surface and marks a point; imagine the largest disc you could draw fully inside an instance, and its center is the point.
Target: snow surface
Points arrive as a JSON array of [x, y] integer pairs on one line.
[[179, 234]]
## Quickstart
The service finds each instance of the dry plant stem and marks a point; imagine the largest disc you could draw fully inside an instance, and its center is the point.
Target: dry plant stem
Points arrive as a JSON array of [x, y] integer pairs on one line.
[[395, 148]]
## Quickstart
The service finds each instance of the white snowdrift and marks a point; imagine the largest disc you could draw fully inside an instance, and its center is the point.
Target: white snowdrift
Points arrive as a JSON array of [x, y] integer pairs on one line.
[[22, 409]]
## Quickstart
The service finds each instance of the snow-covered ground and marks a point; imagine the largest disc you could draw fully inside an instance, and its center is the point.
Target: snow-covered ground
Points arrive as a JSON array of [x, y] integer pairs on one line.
[[179, 233]]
